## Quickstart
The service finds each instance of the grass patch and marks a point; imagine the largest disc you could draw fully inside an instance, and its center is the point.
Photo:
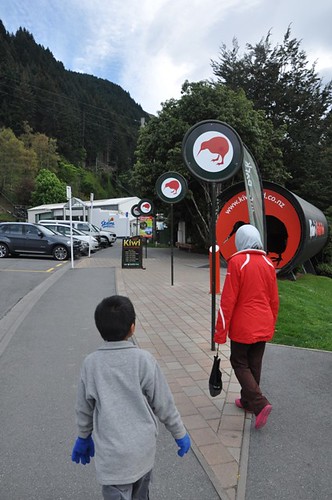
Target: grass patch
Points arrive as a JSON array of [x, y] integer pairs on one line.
[[5, 217], [305, 313]]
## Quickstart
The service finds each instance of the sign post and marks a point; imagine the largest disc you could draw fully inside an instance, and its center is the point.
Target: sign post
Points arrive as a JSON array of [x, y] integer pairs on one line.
[[135, 212], [90, 220], [145, 208], [69, 198], [213, 152], [171, 188], [213, 244], [172, 245]]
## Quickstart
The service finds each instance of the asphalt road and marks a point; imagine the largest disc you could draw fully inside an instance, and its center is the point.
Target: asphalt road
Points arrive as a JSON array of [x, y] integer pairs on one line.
[[20, 275], [291, 458], [39, 370], [38, 376]]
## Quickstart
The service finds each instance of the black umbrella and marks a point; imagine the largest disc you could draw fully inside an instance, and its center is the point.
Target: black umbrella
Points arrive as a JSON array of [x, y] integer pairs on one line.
[[215, 382]]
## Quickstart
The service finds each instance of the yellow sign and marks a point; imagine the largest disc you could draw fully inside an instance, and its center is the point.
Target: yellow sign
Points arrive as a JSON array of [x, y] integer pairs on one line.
[[131, 242]]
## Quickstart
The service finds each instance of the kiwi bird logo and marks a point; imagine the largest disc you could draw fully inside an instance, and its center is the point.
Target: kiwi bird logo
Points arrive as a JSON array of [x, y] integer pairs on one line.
[[147, 206], [173, 186], [236, 226], [217, 146], [277, 238], [276, 233]]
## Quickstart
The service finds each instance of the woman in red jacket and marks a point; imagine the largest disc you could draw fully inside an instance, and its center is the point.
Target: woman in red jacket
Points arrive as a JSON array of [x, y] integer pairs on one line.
[[247, 314]]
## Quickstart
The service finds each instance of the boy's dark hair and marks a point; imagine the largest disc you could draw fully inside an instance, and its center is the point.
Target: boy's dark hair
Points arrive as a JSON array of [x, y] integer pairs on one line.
[[114, 317]]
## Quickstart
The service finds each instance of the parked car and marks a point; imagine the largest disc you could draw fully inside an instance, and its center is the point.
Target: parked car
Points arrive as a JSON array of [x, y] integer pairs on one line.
[[111, 237], [85, 227], [64, 229], [34, 239]]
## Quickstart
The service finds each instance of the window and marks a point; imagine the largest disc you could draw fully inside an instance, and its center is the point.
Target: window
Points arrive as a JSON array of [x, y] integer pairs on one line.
[[31, 230], [83, 227], [15, 229], [64, 230]]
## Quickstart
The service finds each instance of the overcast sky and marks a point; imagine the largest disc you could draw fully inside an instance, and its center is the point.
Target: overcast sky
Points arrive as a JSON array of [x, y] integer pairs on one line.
[[150, 47]]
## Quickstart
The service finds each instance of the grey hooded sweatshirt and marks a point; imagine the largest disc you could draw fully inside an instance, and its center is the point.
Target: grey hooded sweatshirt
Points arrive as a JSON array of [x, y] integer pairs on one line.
[[121, 392], [246, 237]]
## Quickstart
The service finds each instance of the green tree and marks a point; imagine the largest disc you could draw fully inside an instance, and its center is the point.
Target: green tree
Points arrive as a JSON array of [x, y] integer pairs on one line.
[[90, 184], [323, 177], [48, 189], [69, 174], [44, 147], [279, 81], [160, 143], [18, 165]]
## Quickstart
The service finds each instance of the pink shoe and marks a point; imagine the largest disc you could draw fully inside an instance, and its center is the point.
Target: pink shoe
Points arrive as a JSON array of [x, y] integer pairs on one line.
[[239, 405], [262, 417]]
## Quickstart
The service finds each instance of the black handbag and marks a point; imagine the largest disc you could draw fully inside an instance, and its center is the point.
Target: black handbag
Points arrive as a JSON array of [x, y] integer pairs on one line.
[[215, 381]]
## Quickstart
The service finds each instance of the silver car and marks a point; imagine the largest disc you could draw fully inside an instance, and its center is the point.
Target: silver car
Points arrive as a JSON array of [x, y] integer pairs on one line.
[[65, 230]]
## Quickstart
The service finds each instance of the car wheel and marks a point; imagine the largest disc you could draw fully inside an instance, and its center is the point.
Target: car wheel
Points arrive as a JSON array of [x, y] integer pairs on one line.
[[104, 241], [4, 251], [60, 252]]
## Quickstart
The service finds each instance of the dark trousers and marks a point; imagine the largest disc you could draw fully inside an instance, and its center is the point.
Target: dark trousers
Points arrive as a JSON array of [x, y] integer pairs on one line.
[[134, 491], [246, 361]]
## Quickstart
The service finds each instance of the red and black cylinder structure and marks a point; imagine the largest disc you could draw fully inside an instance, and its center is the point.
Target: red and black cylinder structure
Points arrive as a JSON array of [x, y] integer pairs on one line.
[[296, 230]]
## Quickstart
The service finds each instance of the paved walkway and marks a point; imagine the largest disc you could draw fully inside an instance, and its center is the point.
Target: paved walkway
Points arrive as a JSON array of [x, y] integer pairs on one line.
[[174, 324], [289, 459]]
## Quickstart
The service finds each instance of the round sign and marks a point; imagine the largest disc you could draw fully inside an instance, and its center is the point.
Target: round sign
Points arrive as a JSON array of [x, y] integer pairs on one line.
[[135, 211], [145, 207], [171, 187], [212, 150]]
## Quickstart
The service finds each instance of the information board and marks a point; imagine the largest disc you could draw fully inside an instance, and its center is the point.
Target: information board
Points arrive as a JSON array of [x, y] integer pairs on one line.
[[146, 226], [132, 255]]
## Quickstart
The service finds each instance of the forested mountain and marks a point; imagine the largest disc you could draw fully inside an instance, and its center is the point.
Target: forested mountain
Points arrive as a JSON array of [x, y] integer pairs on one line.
[[94, 121]]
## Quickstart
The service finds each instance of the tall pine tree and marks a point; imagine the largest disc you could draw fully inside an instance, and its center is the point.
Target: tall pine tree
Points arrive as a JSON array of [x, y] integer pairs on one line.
[[280, 81]]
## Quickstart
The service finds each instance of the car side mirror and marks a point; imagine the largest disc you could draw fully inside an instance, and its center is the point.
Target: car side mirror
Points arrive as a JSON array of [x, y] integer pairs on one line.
[[40, 234]]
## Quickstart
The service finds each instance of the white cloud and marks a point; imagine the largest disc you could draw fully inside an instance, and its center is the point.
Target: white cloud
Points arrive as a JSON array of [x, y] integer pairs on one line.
[[170, 46], [151, 47]]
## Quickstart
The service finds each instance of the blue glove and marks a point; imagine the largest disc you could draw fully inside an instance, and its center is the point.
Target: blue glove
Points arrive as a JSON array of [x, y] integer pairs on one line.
[[183, 444], [83, 450]]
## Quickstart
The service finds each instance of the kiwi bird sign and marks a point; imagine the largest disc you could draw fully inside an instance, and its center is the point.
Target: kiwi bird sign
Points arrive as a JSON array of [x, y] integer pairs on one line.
[[216, 146]]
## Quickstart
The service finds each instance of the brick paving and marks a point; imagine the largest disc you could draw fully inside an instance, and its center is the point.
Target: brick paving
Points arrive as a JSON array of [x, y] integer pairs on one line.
[[174, 324]]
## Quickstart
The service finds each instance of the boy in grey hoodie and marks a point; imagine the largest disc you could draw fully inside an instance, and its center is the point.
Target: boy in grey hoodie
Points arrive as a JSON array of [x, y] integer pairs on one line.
[[121, 392]]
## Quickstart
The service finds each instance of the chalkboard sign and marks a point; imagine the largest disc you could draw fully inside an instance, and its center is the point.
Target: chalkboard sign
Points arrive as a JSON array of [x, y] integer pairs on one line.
[[132, 253]]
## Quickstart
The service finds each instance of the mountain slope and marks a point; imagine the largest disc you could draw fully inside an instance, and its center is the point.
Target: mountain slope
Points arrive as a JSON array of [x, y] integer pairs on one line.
[[94, 121]]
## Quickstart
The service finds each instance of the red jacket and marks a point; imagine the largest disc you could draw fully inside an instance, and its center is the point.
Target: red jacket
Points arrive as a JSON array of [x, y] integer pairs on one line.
[[249, 301]]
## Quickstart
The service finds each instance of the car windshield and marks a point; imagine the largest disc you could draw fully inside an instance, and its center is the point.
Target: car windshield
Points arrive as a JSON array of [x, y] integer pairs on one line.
[[95, 228], [77, 231], [45, 230], [83, 226], [66, 230]]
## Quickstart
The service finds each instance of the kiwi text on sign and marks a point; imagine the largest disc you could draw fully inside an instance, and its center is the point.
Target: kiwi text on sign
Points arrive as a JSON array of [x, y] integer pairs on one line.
[[131, 243], [132, 257]]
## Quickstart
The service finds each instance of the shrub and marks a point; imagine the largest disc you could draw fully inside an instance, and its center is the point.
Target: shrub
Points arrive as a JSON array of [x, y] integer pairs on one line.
[[324, 269]]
